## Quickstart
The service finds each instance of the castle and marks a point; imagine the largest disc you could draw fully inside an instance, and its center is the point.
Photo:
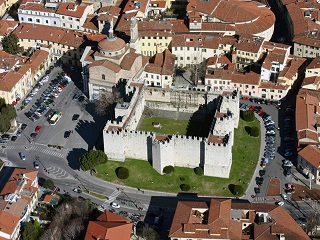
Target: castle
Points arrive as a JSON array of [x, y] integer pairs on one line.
[[213, 153]]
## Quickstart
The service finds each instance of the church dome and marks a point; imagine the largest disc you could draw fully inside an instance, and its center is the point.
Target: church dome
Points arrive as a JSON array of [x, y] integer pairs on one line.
[[111, 45]]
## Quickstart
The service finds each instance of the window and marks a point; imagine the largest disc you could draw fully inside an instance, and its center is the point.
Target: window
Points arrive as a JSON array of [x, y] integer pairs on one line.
[[71, 26], [157, 77], [78, 27], [29, 19], [181, 48], [181, 58], [154, 44], [166, 77], [38, 20], [188, 48], [54, 22], [22, 19], [148, 44], [47, 21], [142, 44], [62, 17], [188, 58], [103, 77], [158, 84], [63, 24], [146, 74]]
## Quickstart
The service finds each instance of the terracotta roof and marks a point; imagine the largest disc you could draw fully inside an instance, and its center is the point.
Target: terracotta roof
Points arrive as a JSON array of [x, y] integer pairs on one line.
[[112, 10], [271, 85], [109, 226], [6, 26], [36, 59], [202, 40], [315, 80], [107, 64], [315, 64], [292, 67], [8, 222], [220, 219], [163, 63], [132, 7], [72, 9], [253, 45], [248, 78], [91, 23], [128, 60], [36, 7], [305, 111], [113, 45], [307, 136]]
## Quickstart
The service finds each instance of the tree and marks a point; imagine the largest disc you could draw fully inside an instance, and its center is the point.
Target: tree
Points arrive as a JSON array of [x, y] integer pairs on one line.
[[185, 187], [254, 132], [31, 231], [10, 44], [168, 169], [198, 171], [122, 172], [149, 233], [48, 184], [247, 116], [106, 100], [7, 114], [91, 159]]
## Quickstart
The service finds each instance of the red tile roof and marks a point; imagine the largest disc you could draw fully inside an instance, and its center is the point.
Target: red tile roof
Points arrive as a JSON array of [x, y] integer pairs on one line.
[[222, 219], [8, 222], [109, 226], [6, 26], [72, 9], [163, 63]]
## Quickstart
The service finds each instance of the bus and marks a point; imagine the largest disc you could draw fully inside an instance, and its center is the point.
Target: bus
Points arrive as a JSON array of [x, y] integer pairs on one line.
[[55, 118]]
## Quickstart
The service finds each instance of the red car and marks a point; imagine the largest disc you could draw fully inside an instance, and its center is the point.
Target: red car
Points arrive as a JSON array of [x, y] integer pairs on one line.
[[252, 108], [260, 112], [38, 129]]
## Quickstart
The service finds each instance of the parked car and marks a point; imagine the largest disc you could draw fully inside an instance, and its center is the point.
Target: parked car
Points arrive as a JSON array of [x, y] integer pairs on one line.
[[76, 97], [77, 190], [38, 129], [23, 126], [67, 134], [288, 172], [14, 138], [288, 154]]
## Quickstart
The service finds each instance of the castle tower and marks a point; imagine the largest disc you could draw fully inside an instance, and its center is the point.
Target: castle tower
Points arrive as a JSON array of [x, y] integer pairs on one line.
[[134, 35]]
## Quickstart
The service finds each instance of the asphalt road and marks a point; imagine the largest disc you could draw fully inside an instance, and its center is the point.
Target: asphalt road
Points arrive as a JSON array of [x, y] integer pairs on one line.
[[63, 166]]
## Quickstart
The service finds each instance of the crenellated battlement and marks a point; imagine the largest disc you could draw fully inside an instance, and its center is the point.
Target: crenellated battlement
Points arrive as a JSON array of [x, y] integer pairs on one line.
[[122, 140]]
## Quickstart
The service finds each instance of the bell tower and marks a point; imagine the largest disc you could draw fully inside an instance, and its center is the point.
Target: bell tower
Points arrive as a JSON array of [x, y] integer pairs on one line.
[[134, 35]]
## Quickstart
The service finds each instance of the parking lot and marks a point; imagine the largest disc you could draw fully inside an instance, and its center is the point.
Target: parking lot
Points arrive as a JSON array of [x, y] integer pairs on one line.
[[277, 149]]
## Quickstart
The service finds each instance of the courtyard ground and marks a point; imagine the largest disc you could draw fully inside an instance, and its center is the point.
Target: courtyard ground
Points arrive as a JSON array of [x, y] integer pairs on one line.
[[245, 156]]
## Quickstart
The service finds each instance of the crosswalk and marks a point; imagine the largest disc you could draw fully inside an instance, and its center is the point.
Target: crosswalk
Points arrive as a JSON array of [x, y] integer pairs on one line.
[[57, 172], [259, 200], [110, 199], [34, 148]]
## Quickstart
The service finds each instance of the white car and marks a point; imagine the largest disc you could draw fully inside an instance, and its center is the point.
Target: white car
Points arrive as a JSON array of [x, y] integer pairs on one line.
[[284, 196], [115, 205], [280, 203], [271, 132]]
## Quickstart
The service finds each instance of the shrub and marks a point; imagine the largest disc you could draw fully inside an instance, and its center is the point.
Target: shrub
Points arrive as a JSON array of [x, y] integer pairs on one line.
[[48, 184], [168, 169], [247, 116], [198, 171], [185, 187], [254, 132], [236, 190], [122, 173], [92, 158]]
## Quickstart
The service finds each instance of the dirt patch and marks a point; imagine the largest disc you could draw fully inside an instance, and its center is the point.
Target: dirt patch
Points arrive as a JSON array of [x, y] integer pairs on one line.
[[303, 192], [274, 187]]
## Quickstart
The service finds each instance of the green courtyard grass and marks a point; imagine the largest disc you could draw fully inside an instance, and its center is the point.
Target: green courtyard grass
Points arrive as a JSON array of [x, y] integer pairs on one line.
[[168, 125], [142, 175]]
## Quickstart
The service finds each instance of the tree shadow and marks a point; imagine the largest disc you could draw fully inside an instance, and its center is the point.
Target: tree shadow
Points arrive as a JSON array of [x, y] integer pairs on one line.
[[247, 128], [74, 156]]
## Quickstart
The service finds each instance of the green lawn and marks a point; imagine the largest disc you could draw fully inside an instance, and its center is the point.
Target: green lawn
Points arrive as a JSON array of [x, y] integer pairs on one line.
[[168, 125], [142, 175]]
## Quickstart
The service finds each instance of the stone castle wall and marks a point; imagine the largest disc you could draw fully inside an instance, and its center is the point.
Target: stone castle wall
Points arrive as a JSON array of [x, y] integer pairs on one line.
[[121, 141]]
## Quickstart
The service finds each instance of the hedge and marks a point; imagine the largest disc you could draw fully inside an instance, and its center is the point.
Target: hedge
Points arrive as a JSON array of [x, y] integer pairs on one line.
[[122, 173], [91, 159], [247, 116], [236, 189], [198, 171], [254, 132], [168, 169], [185, 187]]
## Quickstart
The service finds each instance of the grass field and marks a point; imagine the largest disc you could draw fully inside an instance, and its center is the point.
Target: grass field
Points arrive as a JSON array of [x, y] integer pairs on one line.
[[168, 125], [245, 156]]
